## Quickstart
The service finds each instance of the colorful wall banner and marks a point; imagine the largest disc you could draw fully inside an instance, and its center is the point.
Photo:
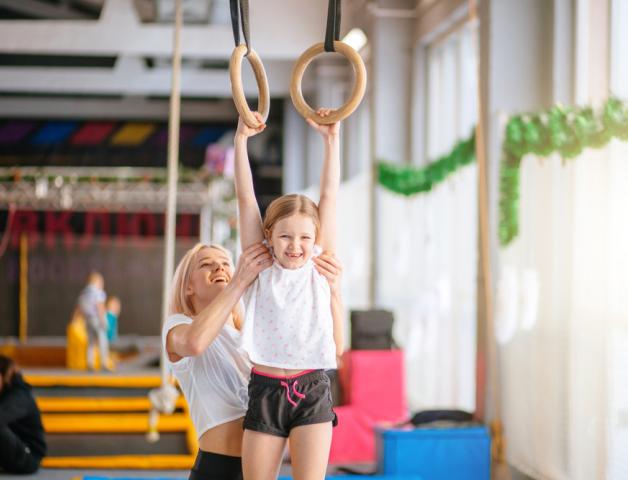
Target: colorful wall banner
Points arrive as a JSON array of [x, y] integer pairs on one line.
[[92, 133], [101, 143], [14, 132], [132, 134], [53, 133]]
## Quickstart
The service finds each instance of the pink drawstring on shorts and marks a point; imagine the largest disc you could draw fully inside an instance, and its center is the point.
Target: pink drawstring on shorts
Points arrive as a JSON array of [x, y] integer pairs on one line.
[[294, 390]]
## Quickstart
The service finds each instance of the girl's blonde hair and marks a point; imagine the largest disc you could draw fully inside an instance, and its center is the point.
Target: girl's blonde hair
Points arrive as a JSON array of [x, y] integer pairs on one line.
[[288, 205], [179, 300]]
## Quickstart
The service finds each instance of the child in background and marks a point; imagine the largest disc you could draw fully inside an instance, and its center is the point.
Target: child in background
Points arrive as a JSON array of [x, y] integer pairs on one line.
[[112, 307], [91, 303], [293, 320]]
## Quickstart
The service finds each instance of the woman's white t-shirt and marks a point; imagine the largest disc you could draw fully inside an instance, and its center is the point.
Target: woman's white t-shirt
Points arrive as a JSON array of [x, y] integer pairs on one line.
[[215, 383], [288, 321]]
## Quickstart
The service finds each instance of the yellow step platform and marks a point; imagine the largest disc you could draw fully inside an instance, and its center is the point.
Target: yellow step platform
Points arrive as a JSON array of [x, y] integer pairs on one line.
[[123, 462], [94, 380], [70, 418], [112, 423], [93, 404]]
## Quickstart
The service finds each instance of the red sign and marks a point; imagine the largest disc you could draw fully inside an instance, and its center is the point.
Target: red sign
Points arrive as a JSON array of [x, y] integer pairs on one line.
[[82, 228]]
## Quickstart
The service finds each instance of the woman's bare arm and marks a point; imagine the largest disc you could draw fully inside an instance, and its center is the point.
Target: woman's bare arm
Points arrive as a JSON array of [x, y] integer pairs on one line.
[[330, 267]]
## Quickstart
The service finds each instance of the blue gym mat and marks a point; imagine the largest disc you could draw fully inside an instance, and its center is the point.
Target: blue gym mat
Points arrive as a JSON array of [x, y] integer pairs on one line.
[[329, 477]]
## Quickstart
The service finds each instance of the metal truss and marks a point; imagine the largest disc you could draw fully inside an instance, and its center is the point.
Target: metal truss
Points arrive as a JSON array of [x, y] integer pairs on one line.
[[125, 190]]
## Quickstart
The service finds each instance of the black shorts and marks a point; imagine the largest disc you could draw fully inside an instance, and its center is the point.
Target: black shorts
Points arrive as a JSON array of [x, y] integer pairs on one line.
[[216, 466], [278, 404]]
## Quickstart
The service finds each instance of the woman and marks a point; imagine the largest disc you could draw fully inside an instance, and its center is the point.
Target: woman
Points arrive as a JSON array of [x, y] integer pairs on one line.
[[202, 339], [22, 441]]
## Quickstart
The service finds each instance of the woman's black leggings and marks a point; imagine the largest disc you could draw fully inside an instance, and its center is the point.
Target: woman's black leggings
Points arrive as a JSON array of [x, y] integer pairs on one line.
[[214, 466]]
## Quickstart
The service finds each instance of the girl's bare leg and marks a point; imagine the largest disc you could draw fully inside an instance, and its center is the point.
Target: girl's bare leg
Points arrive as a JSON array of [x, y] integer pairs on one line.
[[261, 455], [309, 451]]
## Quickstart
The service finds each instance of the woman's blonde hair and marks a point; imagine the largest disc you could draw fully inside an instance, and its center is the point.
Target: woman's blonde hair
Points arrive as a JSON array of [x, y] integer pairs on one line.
[[288, 205], [179, 300]]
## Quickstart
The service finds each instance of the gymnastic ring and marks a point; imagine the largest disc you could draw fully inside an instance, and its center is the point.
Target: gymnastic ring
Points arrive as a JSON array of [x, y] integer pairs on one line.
[[359, 86], [235, 73]]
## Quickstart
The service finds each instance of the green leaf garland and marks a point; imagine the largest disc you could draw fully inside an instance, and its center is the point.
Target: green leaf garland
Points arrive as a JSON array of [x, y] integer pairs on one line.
[[411, 180], [563, 130]]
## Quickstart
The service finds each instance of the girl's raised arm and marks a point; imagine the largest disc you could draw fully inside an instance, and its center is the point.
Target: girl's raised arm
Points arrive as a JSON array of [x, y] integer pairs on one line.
[[330, 181], [249, 218]]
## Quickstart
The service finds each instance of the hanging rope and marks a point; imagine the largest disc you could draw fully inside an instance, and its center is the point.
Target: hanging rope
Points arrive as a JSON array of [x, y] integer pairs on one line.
[[332, 33], [163, 399]]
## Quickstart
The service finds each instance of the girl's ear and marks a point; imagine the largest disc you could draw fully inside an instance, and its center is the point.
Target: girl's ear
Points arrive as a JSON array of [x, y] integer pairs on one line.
[[267, 235]]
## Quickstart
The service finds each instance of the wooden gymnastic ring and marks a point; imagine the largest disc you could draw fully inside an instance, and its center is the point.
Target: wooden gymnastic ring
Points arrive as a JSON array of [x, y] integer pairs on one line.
[[235, 73], [359, 86]]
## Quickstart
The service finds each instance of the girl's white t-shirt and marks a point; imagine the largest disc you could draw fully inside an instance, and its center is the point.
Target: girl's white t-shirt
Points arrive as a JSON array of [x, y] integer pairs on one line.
[[288, 321], [215, 383]]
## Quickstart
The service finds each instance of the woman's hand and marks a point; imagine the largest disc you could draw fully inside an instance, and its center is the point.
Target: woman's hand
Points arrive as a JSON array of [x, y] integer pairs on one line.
[[330, 131], [252, 261], [244, 131], [329, 267]]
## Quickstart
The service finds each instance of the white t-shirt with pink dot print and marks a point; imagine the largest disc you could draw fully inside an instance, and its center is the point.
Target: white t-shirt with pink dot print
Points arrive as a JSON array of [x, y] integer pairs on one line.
[[288, 321]]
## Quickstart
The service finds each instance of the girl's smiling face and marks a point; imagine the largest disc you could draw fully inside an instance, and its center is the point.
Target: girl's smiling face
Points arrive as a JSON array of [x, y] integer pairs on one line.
[[292, 240]]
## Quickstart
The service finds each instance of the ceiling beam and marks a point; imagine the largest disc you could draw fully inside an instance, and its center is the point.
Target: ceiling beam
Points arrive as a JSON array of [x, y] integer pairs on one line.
[[280, 30], [37, 9], [131, 78], [115, 108]]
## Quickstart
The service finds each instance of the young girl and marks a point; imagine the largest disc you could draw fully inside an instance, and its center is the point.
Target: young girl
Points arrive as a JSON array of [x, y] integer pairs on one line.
[[293, 320], [202, 339]]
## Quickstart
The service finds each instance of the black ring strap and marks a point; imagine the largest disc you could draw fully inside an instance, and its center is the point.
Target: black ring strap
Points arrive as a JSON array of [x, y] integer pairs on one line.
[[241, 7], [333, 25]]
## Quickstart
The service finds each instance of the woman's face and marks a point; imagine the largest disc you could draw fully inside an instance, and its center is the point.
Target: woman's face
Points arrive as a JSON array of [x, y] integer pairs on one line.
[[211, 272]]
